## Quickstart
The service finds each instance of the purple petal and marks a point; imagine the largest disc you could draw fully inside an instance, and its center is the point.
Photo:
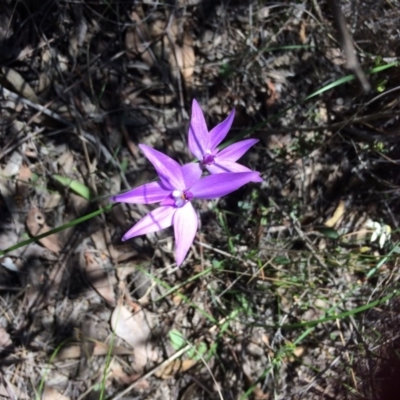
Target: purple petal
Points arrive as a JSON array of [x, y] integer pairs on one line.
[[223, 166], [168, 201], [185, 227], [191, 174], [236, 150], [146, 194], [169, 171], [198, 132], [158, 219], [218, 185], [218, 133]]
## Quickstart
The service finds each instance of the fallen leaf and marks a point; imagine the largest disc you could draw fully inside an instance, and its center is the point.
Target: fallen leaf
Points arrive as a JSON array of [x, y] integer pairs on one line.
[[5, 339], [78, 35], [116, 372], [25, 173], [162, 99], [182, 55], [337, 215], [13, 165], [98, 278], [271, 94], [302, 33], [118, 254], [50, 393], [15, 259], [185, 58], [19, 84], [88, 331], [66, 163], [100, 349], [12, 263], [51, 200], [135, 329], [174, 367], [190, 392], [137, 41], [36, 224], [8, 390], [249, 382], [23, 182]]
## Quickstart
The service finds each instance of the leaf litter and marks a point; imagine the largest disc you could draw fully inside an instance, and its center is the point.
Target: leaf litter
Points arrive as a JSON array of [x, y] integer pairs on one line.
[[83, 82], [135, 329]]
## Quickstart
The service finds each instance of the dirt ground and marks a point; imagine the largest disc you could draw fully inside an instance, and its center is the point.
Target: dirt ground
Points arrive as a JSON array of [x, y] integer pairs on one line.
[[290, 290]]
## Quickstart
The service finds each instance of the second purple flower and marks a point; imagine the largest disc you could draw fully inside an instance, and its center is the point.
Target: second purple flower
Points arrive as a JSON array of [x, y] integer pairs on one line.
[[203, 144]]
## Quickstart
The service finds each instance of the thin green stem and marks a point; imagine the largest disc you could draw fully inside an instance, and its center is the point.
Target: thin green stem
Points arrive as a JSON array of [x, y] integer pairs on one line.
[[56, 230]]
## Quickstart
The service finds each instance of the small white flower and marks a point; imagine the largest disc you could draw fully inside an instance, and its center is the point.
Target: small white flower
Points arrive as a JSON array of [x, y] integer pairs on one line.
[[379, 231]]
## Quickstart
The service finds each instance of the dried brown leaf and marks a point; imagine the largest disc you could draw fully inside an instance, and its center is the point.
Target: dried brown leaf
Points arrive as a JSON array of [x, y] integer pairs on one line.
[[50, 393], [190, 392], [162, 99], [98, 278], [44, 82], [51, 200], [36, 224], [13, 165], [249, 382], [117, 373], [5, 339], [100, 349], [302, 33], [337, 215], [45, 77], [78, 35], [67, 163], [22, 184], [19, 84], [120, 253], [135, 329], [131, 42], [25, 174], [88, 331], [174, 367], [137, 41], [8, 390], [186, 58]]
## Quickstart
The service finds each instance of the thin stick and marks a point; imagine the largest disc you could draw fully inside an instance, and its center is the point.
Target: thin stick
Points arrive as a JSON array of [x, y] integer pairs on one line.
[[348, 45]]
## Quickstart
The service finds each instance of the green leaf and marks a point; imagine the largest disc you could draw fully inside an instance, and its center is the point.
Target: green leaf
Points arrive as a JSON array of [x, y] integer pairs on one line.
[[77, 187], [177, 339], [282, 260], [217, 264], [124, 165], [328, 232], [198, 352]]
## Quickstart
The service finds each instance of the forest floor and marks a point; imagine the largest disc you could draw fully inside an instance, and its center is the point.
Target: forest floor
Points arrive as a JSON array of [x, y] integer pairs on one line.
[[290, 290]]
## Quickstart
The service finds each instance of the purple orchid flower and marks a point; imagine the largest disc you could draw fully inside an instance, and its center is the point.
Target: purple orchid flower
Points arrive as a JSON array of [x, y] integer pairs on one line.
[[178, 185], [203, 144]]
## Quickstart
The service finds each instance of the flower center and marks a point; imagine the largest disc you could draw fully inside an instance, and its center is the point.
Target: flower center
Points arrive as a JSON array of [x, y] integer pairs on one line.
[[181, 197], [208, 158]]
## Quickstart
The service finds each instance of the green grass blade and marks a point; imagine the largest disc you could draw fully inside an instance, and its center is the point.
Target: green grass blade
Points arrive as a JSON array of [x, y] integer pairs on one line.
[[382, 261], [342, 315], [77, 187], [325, 88], [56, 230]]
